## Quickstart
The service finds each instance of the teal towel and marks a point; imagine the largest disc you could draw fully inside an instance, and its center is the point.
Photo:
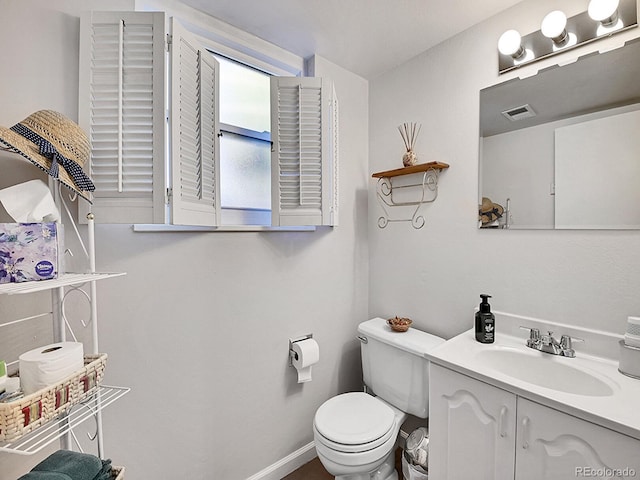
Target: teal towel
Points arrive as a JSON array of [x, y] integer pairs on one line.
[[78, 466], [36, 475], [105, 473]]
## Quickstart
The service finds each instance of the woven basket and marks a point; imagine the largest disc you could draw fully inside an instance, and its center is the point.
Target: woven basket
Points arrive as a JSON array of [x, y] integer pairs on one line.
[[117, 473], [399, 324], [26, 414]]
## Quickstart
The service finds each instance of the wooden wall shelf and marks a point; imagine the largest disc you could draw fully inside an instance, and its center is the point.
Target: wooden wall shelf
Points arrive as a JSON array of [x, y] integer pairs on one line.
[[421, 167]]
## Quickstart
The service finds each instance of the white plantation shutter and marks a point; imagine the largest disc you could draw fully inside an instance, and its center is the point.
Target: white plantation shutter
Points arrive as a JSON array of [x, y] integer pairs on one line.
[[195, 161], [304, 160], [122, 108]]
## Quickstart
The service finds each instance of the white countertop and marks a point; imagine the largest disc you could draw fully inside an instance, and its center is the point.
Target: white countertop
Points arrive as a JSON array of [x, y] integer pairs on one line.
[[619, 411]]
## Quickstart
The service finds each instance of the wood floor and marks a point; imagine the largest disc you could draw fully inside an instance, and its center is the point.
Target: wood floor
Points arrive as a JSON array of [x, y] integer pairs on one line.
[[315, 471]]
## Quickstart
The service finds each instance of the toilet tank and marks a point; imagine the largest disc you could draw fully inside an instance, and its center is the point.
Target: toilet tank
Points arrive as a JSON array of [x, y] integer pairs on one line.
[[394, 366]]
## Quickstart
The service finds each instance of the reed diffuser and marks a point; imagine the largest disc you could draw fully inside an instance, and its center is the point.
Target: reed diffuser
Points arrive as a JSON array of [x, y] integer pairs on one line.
[[409, 133]]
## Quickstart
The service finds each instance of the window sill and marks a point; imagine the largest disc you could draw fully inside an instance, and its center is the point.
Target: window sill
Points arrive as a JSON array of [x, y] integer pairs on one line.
[[152, 227]]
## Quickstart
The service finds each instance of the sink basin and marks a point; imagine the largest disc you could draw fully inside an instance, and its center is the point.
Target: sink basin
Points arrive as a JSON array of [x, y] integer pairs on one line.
[[545, 370]]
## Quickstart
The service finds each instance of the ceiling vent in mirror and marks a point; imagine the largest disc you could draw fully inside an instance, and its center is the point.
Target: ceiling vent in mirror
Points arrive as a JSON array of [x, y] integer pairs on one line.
[[518, 113]]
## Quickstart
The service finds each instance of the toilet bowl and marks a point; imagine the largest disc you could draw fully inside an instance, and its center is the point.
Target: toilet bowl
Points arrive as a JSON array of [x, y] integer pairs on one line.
[[355, 435]]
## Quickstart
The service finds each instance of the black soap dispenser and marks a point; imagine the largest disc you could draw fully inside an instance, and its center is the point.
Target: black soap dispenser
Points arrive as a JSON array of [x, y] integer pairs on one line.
[[485, 322]]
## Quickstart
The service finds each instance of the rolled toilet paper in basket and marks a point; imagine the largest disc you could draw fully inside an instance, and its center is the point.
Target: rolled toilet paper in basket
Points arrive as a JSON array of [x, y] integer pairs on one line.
[[48, 365], [306, 354]]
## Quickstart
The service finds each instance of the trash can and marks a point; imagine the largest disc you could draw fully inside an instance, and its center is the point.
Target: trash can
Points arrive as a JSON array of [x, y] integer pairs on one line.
[[412, 472], [415, 455]]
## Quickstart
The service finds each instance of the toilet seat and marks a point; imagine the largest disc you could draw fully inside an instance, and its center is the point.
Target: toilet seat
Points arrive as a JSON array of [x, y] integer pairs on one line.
[[354, 422]]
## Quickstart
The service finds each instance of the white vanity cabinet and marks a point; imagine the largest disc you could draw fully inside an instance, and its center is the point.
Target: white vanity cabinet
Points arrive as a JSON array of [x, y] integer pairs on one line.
[[474, 432], [556, 446], [472, 428]]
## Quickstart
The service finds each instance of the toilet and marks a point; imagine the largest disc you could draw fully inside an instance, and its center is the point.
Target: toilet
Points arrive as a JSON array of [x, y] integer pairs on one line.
[[355, 433]]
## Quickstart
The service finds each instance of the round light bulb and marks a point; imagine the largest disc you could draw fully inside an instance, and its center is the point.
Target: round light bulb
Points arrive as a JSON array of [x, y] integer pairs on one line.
[[609, 28], [510, 43], [554, 24], [603, 10]]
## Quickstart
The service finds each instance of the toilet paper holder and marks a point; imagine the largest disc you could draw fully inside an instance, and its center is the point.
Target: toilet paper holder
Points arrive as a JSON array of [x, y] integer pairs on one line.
[[293, 355]]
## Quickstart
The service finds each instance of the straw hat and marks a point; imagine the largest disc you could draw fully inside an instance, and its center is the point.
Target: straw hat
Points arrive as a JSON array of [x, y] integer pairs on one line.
[[54, 143], [489, 211]]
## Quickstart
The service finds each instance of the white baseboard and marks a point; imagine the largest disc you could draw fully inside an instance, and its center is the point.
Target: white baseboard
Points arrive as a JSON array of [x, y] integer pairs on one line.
[[293, 461], [288, 464]]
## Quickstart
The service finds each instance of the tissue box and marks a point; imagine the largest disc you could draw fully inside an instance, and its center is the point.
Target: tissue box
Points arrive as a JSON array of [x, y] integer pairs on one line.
[[29, 251]]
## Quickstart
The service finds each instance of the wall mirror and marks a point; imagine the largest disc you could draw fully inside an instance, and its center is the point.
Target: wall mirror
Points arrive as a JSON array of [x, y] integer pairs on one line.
[[561, 149]]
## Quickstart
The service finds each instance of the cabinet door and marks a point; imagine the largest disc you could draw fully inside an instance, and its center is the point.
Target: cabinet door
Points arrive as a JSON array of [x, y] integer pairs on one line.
[[471, 428], [556, 446]]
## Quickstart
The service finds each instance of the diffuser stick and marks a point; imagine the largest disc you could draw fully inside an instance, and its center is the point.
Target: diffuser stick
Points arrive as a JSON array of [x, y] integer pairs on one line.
[[406, 144]]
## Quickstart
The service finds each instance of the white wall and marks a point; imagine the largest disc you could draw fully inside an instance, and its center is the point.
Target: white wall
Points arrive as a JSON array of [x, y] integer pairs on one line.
[[434, 275], [199, 327]]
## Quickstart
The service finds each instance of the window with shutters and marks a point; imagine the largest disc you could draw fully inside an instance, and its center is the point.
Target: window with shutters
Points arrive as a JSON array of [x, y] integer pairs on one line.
[[178, 152]]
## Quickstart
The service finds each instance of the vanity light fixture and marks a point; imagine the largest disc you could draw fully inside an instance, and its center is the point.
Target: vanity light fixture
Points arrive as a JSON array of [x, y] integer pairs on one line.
[[558, 33]]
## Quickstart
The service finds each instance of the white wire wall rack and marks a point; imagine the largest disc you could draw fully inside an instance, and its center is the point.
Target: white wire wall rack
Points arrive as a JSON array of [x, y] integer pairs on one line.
[[389, 192], [64, 280], [61, 288], [40, 438]]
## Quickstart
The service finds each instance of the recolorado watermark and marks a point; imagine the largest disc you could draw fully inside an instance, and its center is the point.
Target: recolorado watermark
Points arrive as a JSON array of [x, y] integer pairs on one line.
[[606, 472]]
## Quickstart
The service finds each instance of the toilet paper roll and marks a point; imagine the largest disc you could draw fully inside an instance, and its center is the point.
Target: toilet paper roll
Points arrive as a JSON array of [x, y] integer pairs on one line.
[[306, 354], [46, 366]]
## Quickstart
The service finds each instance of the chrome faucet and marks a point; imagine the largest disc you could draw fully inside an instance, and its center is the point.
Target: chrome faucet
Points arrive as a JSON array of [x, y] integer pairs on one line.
[[548, 344]]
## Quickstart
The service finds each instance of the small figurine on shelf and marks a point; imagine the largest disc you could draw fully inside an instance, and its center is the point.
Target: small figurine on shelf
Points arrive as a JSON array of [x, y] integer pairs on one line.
[[409, 136]]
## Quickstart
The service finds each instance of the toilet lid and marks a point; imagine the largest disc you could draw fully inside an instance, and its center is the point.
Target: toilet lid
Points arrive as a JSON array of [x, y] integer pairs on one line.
[[354, 418]]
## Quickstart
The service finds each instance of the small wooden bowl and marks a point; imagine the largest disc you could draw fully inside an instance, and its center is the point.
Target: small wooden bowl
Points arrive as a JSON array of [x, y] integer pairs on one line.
[[399, 324]]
